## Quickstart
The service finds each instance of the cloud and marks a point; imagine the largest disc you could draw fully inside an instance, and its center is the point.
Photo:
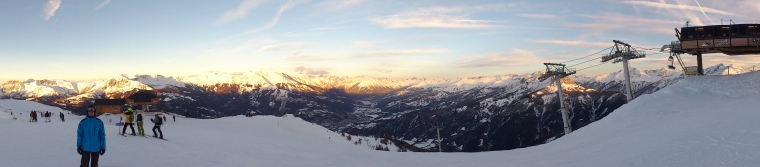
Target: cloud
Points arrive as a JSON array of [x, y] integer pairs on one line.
[[102, 5], [240, 12], [455, 17], [339, 4], [310, 71], [283, 8], [369, 43], [574, 43], [432, 21], [386, 53], [751, 5], [300, 56], [682, 7], [240, 48], [312, 31], [538, 16], [516, 57], [285, 46], [626, 23], [49, 9], [466, 9]]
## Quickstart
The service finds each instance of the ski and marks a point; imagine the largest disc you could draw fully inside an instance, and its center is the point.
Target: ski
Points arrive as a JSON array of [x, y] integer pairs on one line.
[[159, 138]]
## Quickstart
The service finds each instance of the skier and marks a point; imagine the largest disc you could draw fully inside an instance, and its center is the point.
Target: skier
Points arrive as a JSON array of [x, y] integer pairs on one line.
[[174, 118], [157, 121], [62, 120], [91, 139], [128, 121], [140, 129], [47, 116], [164, 118]]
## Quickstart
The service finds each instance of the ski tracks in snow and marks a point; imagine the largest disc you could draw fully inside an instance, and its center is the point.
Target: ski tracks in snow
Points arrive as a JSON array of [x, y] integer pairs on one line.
[[727, 148]]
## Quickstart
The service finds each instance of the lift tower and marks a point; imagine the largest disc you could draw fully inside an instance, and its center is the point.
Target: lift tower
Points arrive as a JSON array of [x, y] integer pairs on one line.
[[558, 71], [623, 52]]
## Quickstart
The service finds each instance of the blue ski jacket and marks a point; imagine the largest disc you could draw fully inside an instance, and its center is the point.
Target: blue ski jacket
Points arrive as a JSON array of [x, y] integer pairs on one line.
[[91, 135]]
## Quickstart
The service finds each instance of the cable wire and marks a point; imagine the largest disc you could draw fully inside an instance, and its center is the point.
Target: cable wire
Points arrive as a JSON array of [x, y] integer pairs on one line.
[[584, 62], [587, 55], [591, 66]]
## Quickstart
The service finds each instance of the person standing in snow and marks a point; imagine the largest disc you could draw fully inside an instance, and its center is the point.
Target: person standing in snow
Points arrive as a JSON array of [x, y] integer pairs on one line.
[[174, 118], [128, 121], [91, 139], [157, 121], [47, 116], [140, 129], [62, 120], [164, 118]]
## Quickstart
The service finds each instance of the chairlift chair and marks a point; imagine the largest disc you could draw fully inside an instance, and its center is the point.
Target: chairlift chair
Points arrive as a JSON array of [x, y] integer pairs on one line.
[[670, 59]]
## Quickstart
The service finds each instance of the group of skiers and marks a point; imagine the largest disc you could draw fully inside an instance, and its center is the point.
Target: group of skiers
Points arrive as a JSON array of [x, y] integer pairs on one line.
[[46, 114], [91, 138], [130, 115]]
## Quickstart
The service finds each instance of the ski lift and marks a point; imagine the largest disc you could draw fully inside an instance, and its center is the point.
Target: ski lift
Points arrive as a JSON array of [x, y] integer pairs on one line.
[[670, 59]]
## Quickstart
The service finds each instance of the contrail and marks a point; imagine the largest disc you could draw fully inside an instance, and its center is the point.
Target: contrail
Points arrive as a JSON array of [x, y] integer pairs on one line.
[[56, 20], [703, 12]]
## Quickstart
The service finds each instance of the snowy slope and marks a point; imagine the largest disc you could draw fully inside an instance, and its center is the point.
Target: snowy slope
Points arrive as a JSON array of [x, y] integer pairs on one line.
[[699, 121]]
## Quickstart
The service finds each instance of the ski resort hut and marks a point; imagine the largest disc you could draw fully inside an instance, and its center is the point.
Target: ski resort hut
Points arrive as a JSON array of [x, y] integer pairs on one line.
[[114, 106], [143, 98]]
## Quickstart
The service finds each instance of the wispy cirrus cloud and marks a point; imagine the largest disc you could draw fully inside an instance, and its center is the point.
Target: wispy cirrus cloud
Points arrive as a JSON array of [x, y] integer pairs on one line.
[[538, 16], [516, 57], [625, 23], [339, 4], [400, 52], [285, 46], [432, 21], [442, 17], [369, 43], [103, 4], [301, 56], [573, 43], [49, 9], [678, 6], [240, 12], [283, 8]]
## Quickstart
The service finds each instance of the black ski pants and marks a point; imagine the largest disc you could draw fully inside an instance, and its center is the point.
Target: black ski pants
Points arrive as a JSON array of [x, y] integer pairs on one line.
[[89, 159], [159, 131], [130, 127]]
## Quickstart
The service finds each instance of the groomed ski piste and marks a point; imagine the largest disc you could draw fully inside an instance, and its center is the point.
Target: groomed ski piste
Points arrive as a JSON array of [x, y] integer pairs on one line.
[[699, 121]]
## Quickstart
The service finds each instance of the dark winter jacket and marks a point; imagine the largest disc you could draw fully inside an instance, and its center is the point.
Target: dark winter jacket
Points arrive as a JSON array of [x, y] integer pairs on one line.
[[139, 118], [91, 135], [158, 121], [61, 115]]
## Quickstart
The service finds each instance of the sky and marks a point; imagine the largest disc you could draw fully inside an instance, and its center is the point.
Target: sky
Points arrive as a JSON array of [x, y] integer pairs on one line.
[[88, 40]]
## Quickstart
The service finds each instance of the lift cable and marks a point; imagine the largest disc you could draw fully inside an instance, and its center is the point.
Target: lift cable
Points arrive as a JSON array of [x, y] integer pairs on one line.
[[584, 62], [587, 55], [591, 66]]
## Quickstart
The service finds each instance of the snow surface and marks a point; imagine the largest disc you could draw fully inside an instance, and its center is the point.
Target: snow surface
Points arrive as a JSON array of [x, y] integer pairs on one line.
[[699, 121]]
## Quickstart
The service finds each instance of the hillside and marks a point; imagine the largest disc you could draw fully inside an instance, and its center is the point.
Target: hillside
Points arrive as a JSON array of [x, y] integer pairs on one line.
[[698, 121]]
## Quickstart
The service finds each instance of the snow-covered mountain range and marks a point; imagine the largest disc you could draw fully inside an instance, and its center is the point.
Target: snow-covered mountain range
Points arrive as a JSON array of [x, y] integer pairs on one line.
[[518, 109]]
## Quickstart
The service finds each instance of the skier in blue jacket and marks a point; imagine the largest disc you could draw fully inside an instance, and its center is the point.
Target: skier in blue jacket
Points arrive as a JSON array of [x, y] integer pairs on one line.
[[91, 138]]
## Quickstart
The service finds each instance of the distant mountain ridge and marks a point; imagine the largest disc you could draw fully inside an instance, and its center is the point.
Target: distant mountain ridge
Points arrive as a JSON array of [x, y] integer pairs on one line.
[[505, 111]]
